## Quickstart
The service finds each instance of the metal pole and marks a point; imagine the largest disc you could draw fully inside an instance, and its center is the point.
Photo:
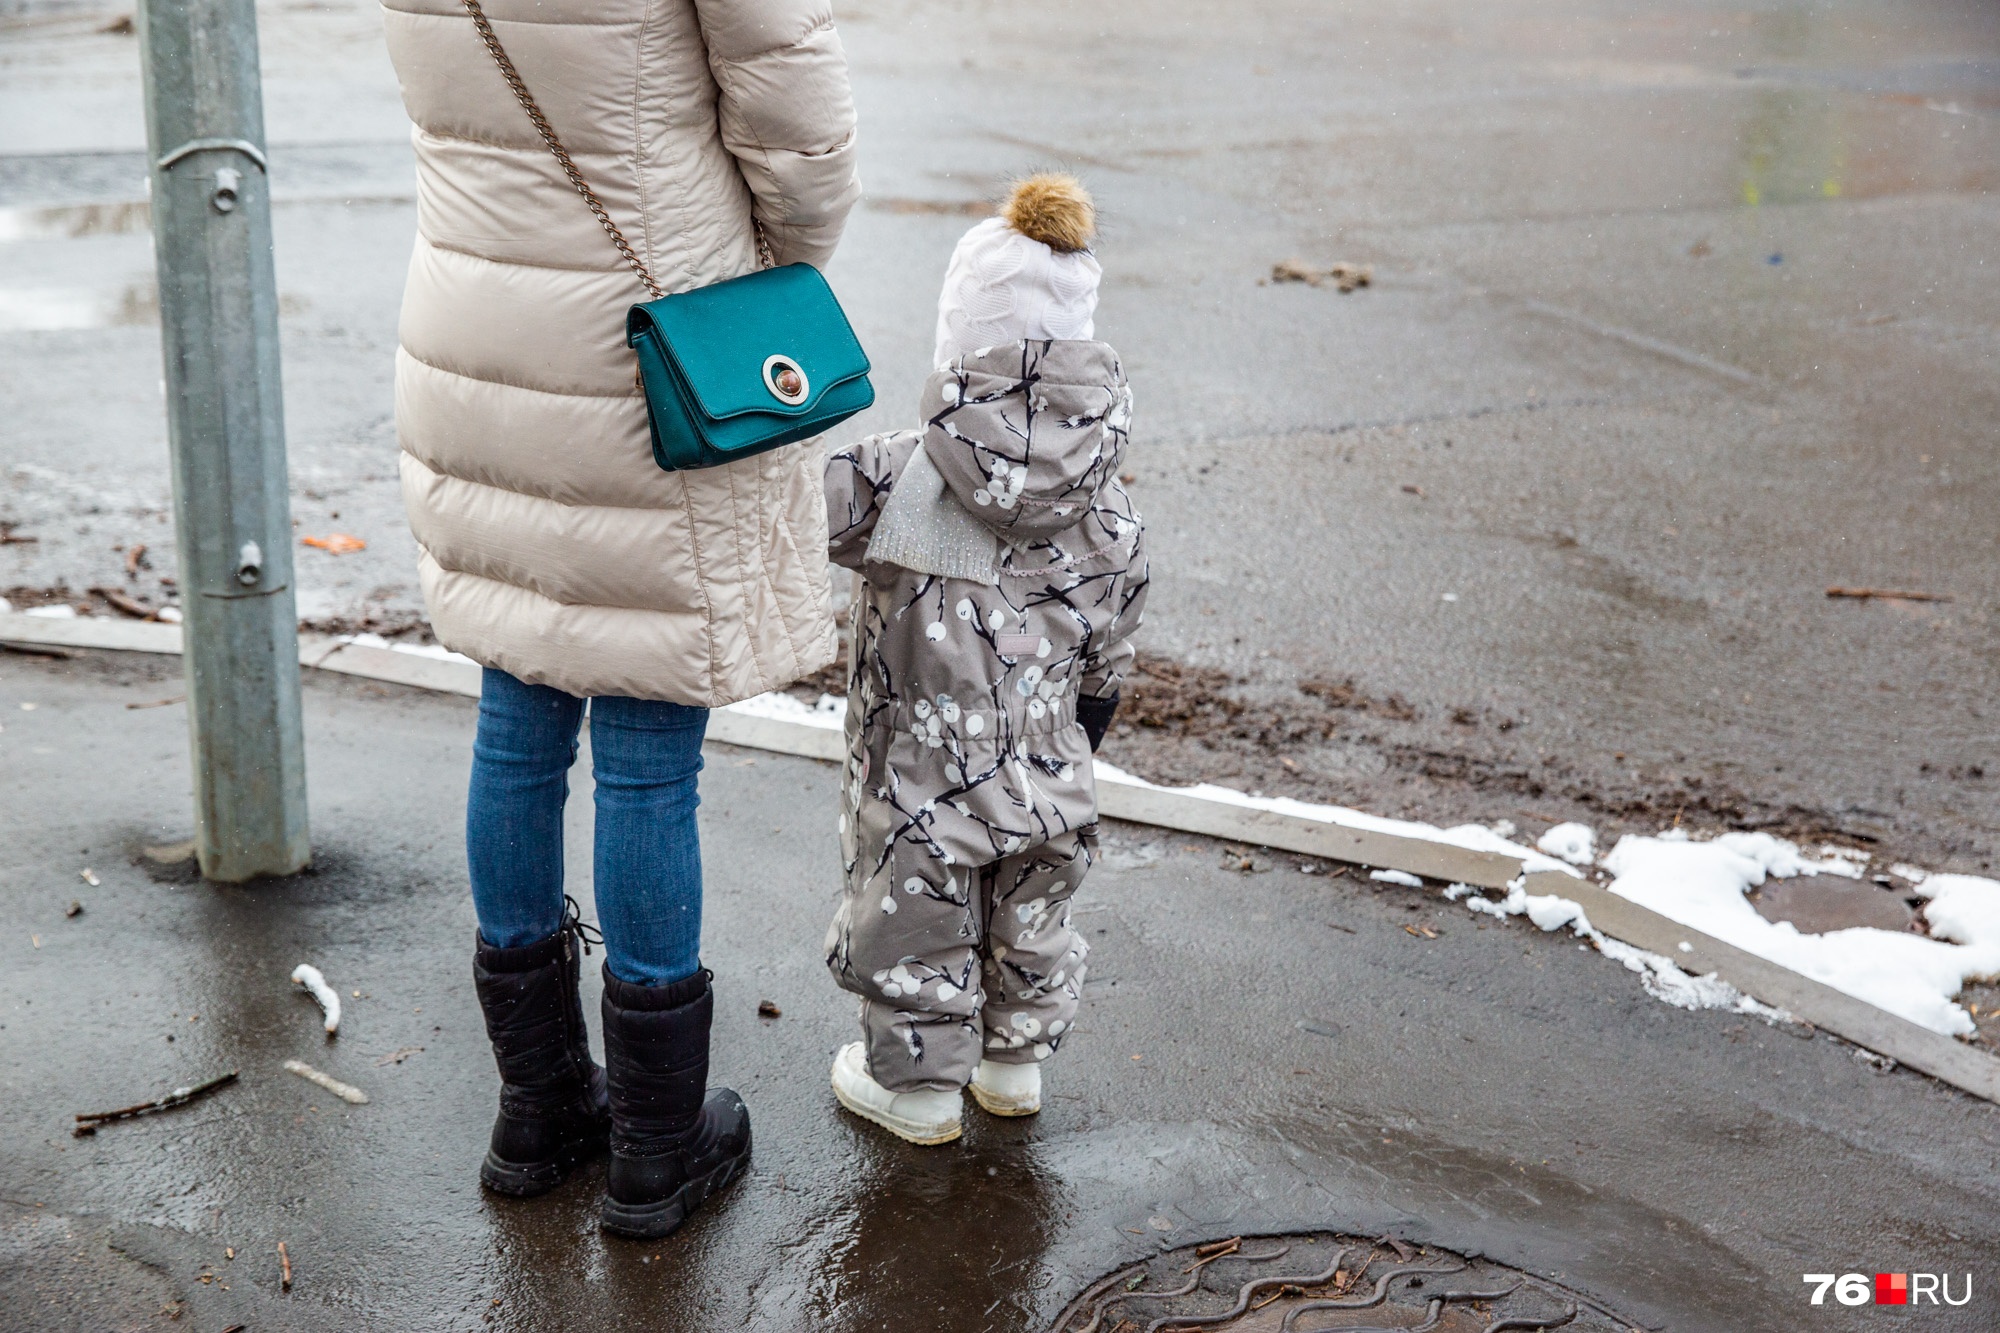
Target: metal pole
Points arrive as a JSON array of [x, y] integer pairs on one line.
[[211, 206]]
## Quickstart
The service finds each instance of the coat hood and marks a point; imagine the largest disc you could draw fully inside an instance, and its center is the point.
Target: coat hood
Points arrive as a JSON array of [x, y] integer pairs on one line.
[[1027, 434]]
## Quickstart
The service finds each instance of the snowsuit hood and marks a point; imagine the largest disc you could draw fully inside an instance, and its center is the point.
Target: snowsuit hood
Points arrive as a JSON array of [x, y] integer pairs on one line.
[[1027, 435]]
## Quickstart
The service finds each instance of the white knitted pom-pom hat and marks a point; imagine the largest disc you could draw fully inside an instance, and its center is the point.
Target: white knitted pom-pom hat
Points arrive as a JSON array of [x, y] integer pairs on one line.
[[1024, 274]]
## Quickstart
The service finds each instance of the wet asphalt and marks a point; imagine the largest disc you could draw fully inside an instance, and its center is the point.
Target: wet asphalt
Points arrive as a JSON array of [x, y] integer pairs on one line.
[[1258, 1052], [1679, 315]]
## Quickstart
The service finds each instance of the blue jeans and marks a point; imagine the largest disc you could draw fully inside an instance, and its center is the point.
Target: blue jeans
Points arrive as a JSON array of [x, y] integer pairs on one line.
[[645, 757]]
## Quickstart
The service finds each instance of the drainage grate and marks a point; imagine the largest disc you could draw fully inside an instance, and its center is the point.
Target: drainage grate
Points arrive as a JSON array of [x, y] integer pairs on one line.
[[1323, 1281]]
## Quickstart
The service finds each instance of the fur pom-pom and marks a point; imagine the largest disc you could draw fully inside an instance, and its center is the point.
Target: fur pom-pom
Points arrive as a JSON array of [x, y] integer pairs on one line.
[[1052, 208]]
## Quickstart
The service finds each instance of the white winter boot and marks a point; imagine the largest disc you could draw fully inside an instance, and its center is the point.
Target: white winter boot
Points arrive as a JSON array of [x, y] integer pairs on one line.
[[926, 1116], [1007, 1089]]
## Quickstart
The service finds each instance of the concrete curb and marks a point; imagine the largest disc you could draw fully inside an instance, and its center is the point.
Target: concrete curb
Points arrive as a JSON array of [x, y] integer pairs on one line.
[[1122, 798]]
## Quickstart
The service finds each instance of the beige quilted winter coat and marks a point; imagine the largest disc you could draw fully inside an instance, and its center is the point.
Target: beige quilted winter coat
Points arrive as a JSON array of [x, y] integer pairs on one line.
[[550, 545]]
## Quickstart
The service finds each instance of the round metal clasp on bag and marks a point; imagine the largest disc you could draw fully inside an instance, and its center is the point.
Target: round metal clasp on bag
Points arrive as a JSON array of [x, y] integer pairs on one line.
[[786, 380]]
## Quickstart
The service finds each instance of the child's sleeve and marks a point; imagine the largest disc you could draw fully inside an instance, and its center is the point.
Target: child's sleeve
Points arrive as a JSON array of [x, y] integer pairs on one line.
[[858, 481], [1104, 667]]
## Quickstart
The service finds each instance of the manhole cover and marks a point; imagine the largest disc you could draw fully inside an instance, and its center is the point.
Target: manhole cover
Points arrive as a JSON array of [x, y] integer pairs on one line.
[[1323, 1281]]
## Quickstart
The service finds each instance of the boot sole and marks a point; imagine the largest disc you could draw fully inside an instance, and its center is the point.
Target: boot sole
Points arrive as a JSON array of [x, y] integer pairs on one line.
[[902, 1129], [525, 1180], [650, 1221], [997, 1106]]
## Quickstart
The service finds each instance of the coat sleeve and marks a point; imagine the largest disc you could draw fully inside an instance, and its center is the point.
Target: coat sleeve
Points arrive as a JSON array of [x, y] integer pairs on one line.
[[787, 116], [1110, 657], [858, 481]]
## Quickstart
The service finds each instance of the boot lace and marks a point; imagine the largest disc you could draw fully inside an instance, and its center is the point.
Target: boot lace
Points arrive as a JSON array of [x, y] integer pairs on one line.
[[574, 925]]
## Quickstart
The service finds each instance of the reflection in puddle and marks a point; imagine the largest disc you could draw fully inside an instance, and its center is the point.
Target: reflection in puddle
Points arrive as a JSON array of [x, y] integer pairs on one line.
[[59, 309], [74, 221], [124, 217], [976, 1220], [62, 309]]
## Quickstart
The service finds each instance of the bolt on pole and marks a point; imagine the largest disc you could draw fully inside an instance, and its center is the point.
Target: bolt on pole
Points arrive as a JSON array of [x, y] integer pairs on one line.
[[211, 205]]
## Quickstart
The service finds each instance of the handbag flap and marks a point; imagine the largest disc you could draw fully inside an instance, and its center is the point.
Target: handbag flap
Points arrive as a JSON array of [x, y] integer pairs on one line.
[[733, 340]]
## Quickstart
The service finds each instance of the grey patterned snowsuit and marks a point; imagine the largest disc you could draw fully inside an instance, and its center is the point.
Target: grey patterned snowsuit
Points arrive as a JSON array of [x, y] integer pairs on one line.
[[969, 812]]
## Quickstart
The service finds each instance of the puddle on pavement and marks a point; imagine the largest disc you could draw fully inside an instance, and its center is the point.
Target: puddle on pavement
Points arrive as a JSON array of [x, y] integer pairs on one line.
[[985, 1209], [67, 309], [74, 222], [125, 217], [1328, 1281], [1819, 903]]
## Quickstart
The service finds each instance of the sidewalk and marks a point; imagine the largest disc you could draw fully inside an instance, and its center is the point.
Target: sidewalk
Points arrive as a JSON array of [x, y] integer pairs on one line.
[[1259, 1052]]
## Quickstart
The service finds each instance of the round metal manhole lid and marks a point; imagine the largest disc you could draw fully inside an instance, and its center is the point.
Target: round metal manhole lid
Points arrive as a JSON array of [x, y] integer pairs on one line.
[[1322, 1281]]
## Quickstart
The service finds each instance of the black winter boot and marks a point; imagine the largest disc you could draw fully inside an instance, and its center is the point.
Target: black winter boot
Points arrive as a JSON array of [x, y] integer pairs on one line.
[[554, 1108], [673, 1143]]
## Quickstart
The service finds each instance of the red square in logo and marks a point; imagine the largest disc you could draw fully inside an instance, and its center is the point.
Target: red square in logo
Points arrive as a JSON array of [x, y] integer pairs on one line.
[[1892, 1288]]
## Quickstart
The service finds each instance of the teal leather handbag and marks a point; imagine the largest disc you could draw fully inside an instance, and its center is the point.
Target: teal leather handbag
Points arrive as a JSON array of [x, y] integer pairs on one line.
[[741, 366], [734, 368]]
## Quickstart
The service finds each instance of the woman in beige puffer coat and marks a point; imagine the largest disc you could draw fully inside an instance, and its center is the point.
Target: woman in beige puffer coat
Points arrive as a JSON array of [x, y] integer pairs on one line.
[[555, 553]]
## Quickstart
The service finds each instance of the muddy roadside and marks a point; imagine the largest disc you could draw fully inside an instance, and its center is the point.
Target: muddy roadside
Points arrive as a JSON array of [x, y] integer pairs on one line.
[[1335, 742]]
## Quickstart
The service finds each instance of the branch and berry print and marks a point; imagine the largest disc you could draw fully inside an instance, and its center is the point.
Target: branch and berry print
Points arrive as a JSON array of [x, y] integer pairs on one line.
[[969, 814]]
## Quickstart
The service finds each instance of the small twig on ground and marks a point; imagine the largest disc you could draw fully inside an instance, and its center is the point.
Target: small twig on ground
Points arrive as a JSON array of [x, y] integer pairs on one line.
[[37, 650], [1208, 1254], [87, 1122], [347, 1092], [127, 604], [397, 1057], [159, 703], [1891, 594], [134, 560], [9, 537], [284, 1268], [769, 1009], [1345, 277]]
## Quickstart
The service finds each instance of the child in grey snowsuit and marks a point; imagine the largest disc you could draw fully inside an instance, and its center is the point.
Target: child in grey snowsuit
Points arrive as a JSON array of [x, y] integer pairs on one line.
[[1002, 575]]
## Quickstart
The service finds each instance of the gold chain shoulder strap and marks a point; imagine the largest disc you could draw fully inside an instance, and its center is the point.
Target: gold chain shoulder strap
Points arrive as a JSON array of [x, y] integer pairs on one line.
[[563, 159]]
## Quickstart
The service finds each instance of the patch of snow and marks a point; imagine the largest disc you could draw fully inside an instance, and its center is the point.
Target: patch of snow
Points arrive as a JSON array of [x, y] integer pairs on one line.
[[830, 712], [328, 999], [58, 612], [1661, 978], [434, 651], [6, 607], [1574, 843], [170, 615], [1453, 892], [1547, 910], [1911, 873], [1703, 885], [1670, 985], [1842, 861], [1397, 877], [1964, 909], [1473, 837]]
